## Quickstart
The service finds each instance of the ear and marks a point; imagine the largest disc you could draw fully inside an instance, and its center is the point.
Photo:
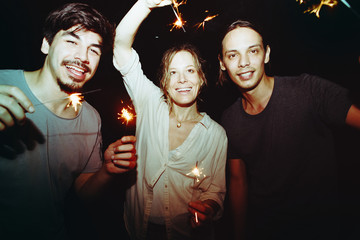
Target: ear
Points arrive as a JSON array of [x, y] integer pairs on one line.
[[267, 54], [222, 66], [45, 46]]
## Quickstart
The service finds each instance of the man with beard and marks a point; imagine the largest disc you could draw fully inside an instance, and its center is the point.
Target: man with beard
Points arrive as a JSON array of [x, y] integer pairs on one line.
[[47, 147]]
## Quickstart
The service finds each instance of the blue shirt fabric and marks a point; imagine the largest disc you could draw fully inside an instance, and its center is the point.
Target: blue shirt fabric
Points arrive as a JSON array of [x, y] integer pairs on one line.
[[39, 162]]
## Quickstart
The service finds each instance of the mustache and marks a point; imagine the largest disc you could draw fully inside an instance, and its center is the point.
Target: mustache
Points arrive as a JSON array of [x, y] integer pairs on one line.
[[77, 63]]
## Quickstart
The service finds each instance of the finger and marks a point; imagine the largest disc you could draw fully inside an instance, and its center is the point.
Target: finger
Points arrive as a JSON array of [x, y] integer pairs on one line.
[[19, 97], [124, 164], [128, 139], [125, 148]]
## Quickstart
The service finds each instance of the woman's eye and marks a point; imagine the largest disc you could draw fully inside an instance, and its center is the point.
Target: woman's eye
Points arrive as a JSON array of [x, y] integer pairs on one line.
[[172, 72], [191, 70], [71, 42]]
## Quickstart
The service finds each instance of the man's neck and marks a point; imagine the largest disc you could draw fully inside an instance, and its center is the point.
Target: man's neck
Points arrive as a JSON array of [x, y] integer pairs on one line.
[[49, 93], [256, 100]]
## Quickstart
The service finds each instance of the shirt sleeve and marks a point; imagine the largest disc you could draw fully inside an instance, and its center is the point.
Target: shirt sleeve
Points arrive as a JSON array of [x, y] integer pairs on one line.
[[331, 101], [139, 87], [217, 187]]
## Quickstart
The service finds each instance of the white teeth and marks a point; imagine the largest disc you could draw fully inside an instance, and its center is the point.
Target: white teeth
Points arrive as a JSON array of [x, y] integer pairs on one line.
[[246, 74], [183, 89], [76, 68]]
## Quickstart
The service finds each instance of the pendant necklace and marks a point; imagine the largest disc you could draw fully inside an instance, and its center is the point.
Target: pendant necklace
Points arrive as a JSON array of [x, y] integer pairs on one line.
[[178, 125]]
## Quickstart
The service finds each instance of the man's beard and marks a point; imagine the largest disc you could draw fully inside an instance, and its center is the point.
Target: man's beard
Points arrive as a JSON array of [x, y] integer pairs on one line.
[[69, 88]]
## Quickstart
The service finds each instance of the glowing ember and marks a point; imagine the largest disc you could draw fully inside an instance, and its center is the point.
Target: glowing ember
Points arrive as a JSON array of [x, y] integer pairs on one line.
[[315, 8], [125, 115], [208, 18], [179, 23], [197, 173], [75, 100], [196, 217]]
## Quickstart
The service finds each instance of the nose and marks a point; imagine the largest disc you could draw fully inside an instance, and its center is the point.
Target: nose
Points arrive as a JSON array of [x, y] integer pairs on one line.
[[82, 54], [244, 61], [182, 78]]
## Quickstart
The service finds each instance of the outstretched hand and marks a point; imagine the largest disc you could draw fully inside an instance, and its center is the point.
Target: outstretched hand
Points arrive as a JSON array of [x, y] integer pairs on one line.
[[202, 212], [156, 3], [120, 156], [13, 106]]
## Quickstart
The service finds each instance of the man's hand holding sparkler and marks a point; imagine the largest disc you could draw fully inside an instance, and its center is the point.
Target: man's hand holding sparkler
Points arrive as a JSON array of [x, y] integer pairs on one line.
[[13, 106], [202, 212], [120, 156]]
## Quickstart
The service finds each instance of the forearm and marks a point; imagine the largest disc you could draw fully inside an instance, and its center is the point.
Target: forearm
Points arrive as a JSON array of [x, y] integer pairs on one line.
[[90, 186], [127, 29]]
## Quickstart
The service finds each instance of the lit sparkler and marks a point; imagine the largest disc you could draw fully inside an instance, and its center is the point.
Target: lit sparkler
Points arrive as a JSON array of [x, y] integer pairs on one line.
[[126, 115], [196, 217], [179, 23], [317, 7], [208, 18], [75, 99], [197, 173]]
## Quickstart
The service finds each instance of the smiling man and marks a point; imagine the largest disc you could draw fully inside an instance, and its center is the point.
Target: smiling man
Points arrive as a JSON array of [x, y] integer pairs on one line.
[[47, 147], [281, 146]]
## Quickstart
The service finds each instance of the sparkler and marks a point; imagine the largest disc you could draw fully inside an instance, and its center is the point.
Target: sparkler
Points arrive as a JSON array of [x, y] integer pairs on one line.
[[315, 8], [75, 99], [196, 217], [179, 23], [208, 18], [127, 116], [197, 173]]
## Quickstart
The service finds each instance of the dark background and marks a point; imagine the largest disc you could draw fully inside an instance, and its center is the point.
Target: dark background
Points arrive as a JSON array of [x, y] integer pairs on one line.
[[300, 42]]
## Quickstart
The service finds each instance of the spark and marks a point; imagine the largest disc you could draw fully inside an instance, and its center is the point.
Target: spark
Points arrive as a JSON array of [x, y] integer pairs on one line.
[[179, 23], [197, 173], [126, 115], [208, 18], [317, 7], [75, 99]]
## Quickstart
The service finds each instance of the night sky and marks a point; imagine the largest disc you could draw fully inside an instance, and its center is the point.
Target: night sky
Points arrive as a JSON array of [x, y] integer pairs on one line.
[[300, 43]]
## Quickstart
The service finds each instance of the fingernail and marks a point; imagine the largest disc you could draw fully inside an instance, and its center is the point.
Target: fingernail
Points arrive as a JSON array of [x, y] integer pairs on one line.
[[31, 109]]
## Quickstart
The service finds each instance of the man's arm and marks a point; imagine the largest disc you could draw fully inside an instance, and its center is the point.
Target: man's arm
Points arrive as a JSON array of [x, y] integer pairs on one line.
[[238, 196], [129, 25], [353, 117], [119, 157], [13, 106]]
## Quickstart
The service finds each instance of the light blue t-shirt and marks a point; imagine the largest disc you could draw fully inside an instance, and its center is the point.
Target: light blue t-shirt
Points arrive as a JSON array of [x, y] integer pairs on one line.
[[39, 162]]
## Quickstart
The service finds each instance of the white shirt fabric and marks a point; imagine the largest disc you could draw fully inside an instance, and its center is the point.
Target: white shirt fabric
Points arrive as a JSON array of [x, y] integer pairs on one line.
[[158, 172]]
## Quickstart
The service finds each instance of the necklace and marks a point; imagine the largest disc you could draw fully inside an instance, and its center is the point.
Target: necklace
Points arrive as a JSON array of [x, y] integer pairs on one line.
[[178, 125]]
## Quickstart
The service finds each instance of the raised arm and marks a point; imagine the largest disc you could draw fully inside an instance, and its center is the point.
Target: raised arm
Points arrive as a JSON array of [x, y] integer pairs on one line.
[[129, 25]]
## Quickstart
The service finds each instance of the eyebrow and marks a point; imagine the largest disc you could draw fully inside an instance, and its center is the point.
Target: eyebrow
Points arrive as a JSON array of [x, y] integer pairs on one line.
[[73, 34], [234, 50]]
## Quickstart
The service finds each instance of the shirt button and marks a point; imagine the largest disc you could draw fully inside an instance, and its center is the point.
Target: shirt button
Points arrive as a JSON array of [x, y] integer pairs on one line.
[[165, 185]]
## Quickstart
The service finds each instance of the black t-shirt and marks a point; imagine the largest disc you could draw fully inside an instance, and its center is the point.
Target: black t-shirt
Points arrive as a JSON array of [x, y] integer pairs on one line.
[[288, 147]]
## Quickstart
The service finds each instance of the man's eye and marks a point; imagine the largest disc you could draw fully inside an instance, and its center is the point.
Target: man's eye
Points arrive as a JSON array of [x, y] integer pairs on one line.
[[254, 51], [231, 56], [71, 42], [97, 52]]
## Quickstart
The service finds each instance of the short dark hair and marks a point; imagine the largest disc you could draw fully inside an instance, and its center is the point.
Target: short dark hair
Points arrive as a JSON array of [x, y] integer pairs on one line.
[[81, 14], [239, 24]]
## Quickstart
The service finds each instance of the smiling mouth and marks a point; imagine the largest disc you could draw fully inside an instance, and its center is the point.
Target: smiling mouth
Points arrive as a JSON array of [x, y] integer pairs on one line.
[[246, 75], [183, 90]]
